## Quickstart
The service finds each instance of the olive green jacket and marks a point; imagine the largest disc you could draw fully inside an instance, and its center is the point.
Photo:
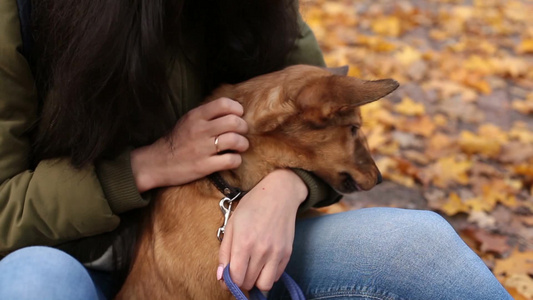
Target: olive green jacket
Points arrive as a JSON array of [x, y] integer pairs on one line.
[[54, 203]]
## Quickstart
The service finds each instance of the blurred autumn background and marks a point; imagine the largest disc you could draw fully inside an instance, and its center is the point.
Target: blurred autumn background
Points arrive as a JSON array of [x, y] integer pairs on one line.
[[457, 136]]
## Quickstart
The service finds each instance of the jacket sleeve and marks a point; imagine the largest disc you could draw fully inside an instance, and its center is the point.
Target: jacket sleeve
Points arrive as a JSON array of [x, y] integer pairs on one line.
[[54, 202], [307, 51]]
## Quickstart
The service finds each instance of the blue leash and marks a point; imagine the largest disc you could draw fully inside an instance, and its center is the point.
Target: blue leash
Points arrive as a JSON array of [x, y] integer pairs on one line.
[[255, 294]]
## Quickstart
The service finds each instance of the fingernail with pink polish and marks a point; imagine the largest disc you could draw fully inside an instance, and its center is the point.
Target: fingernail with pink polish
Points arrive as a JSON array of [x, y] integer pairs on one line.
[[219, 271]]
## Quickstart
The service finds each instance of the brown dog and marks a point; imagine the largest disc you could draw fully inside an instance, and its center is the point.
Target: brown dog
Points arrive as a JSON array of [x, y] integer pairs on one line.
[[301, 117]]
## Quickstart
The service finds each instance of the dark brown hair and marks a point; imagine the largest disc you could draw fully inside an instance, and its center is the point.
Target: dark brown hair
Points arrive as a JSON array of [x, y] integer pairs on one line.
[[104, 64]]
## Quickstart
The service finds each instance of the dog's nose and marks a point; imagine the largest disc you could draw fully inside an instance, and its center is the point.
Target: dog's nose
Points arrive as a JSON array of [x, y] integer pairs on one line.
[[380, 178]]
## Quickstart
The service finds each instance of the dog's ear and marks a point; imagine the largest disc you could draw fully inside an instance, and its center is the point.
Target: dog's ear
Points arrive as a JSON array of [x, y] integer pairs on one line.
[[364, 91], [270, 112], [326, 96]]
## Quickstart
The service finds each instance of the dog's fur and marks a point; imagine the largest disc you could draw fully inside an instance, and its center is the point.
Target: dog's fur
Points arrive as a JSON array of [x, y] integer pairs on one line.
[[301, 117]]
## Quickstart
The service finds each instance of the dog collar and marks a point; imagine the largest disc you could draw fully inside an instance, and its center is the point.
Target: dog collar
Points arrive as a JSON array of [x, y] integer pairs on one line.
[[226, 189], [230, 194]]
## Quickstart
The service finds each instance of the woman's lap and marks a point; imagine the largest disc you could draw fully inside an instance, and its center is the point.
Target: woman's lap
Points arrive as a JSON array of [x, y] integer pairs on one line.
[[387, 253], [45, 273], [378, 253]]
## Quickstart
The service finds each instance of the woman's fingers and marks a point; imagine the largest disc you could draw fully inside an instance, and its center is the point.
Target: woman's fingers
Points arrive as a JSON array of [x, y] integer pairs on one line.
[[223, 128], [268, 276], [228, 123], [219, 107], [282, 266], [255, 266], [240, 259], [264, 267], [226, 161], [224, 253], [229, 141]]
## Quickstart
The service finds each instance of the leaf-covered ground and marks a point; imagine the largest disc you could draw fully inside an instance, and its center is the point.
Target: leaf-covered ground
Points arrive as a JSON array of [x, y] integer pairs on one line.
[[457, 136]]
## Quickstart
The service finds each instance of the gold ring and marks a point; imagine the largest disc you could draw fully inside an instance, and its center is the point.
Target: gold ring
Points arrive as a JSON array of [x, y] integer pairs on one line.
[[216, 145]]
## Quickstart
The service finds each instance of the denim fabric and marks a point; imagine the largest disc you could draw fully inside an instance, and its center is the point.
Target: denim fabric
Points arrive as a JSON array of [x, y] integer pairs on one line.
[[386, 253], [45, 273], [374, 253]]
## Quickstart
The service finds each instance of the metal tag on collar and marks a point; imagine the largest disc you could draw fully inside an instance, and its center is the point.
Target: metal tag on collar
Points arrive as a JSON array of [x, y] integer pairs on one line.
[[226, 210]]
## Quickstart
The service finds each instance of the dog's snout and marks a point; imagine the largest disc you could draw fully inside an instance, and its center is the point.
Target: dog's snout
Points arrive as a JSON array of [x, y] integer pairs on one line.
[[349, 185], [380, 178]]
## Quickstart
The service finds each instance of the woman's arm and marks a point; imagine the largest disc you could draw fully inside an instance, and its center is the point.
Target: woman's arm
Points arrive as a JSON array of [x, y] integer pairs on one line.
[[55, 202], [260, 233]]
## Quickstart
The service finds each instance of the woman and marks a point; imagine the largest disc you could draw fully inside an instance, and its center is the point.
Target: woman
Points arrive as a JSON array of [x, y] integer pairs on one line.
[[119, 86]]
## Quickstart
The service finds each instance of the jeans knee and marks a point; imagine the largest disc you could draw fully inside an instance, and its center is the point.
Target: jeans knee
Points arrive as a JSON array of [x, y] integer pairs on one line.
[[428, 224], [411, 253], [44, 273], [424, 235], [395, 230], [420, 226]]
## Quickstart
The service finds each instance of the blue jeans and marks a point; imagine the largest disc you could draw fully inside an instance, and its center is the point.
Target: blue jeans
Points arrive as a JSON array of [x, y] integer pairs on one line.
[[387, 253], [374, 253], [45, 273]]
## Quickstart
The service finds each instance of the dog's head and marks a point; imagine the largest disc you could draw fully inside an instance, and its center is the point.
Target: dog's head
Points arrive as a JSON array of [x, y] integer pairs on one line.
[[309, 118]]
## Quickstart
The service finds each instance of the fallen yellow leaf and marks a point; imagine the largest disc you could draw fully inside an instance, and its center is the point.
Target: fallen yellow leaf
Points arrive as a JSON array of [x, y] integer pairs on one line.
[[401, 179], [473, 144], [521, 132], [416, 156], [494, 132], [454, 205], [517, 11], [440, 120], [515, 293], [386, 164], [525, 107], [526, 46], [478, 83], [387, 26], [409, 107], [510, 66], [314, 16], [376, 43], [390, 148], [450, 170], [495, 193], [439, 35], [513, 185], [525, 169], [463, 13], [480, 204], [408, 55], [422, 125], [522, 283], [389, 169], [439, 141], [479, 65], [376, 137], [517, 263], [354, 71]]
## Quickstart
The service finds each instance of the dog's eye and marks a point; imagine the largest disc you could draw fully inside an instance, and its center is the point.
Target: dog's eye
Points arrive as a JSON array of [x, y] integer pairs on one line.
[[354, 129]]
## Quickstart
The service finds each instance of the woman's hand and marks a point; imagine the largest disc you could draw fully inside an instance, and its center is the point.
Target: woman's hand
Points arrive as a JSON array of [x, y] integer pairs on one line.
[[260, 233], [189, 151]]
